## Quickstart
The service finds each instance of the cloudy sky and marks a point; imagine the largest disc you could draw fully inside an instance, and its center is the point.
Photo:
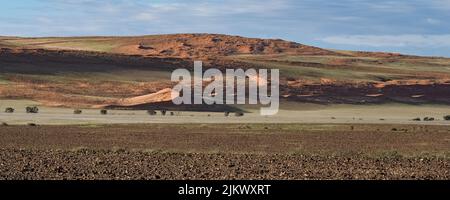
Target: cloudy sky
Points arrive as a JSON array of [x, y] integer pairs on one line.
[[408, 26]]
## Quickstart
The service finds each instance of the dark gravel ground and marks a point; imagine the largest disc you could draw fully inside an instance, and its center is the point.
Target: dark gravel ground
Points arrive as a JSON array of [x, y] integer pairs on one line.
[[229, 151], [90, 164]]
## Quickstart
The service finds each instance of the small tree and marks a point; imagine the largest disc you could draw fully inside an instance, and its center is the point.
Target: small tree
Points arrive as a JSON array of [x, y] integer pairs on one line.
[[151, 112], [9, 110], [239, 114], [103, 111], [33, 109], [428, 119]]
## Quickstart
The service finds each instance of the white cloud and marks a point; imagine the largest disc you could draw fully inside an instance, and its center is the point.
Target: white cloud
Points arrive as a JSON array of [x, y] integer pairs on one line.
[[389, 6], [232, 7], [441, 4], [168, 7], [410, 40], [146, 17], [346, 18], [433, 21]]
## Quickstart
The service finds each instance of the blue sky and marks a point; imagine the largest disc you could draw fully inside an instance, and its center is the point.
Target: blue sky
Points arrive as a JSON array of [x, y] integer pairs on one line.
[[419, 27]]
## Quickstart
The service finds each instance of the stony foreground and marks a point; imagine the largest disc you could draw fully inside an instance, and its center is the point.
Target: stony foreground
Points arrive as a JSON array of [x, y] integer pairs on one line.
[[89, 164], [225, 151]]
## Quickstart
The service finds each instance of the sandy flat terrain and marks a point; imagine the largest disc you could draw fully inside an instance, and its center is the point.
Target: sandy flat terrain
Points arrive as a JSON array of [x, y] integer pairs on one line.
[[301, 113]]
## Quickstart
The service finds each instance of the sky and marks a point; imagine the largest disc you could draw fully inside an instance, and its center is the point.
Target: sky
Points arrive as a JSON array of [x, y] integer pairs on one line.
[[420, 27]]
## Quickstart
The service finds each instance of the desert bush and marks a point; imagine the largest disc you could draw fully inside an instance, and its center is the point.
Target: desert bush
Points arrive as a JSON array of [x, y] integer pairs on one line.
[[5, 124], [143, 46], [227, 114], [77, 111], [103, 112], [416, 119], [163, 112], [172, 113], [391, 155], [9, 110], [32, 124], [239, 114], [151, 112], [447, 117], [428, 119], [291, 79], [32, 109]]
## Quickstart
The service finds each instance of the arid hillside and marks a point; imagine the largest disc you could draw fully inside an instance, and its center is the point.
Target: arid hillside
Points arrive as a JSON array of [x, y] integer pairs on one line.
[[200, 46], [115, 71]]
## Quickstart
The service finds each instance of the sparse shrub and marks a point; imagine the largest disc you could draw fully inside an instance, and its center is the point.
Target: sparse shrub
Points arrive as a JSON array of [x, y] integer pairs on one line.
[[333, 117], [143, 46], [163, 112], [5, 124], [77, 111], [172, 113], [394, 129], [227, 113], [103, 112], [447, 117], [416, 119], [428, 119], [382, 119], [291, 79], [32, 124], [391, 155], [216, 39], [151, 112], [244, 127], [9, 110], [118, 150], [239, 114], [32, 109]]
